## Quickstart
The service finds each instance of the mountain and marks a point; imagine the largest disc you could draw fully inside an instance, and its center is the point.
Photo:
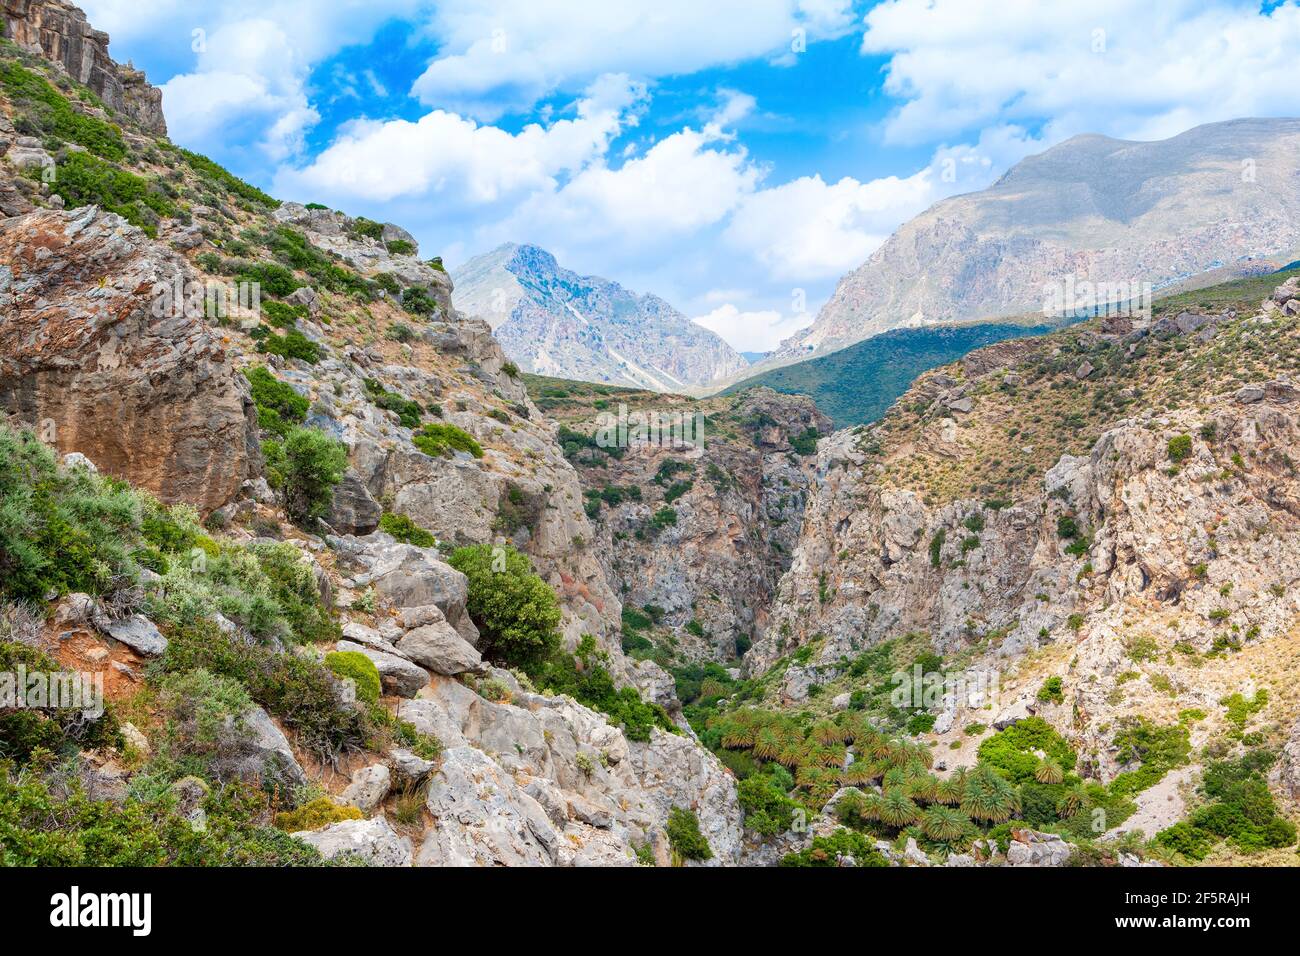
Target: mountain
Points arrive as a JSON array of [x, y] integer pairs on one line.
[[1218, 197], [552, 321], [859, 383]]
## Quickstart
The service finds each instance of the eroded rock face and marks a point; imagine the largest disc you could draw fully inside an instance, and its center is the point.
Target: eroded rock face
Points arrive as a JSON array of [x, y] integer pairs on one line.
[[60, 32], [518, 773], [373, 841], [154, 400]]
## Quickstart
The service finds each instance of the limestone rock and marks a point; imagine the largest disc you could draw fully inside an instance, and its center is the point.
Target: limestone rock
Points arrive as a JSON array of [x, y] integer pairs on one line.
[[438, 647], [146, 392], [373, 841]]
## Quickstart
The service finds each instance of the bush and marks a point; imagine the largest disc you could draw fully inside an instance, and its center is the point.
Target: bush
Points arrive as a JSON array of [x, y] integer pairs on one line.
[[1051, 691], [221, 177], [84, 180], [279, 406], [437, 440], [828, 850], [282, 315], [40, 828], [684, 835], [515, 611], [1180, 448], [301, 692], [417, 301], [1012, 750], [594, 687], [1159, 750], [293, 344], [408, 411], [61, 530], [314, 815], [305, 470], [360, 669], [403, 529], [768, 810], [204, 714], [62, 732]]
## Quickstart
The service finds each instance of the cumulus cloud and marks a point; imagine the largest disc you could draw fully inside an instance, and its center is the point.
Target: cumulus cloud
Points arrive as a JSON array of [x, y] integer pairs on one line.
[[503, 57], [1127, 68], [758, 331], [446, 156]]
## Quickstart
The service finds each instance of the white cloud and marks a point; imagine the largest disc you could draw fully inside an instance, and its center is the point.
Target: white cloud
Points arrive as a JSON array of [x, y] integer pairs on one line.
[[686, 182], [1127, 68], [760, 331], [503, 57], [452, 159], [245, 74]]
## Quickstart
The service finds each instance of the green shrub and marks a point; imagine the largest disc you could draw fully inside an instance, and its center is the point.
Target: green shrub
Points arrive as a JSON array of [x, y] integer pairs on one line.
[[221, 177], [292, 344], [40, 828], [1051, 691], [1011, 751], [314, 815], [515, 611], [61, 530], [279, 406], [593, 686], [437, 440], [273, 278], [1158, 749], [408, 411], [282, 315], [402, 247], [936, 547], [360, 669], [305, 470], [768, 810], [303, 693], [417, 301], [403, 529], [829, 850], [684, 835], [805, 443], [84, 180], [1179, 448]]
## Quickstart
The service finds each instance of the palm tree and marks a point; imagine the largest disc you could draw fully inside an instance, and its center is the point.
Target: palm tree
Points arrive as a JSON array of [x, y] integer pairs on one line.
[[950, 790], [767, 744], [944, 824], [897, 809], [989, 796], [924, 787], [1072, 801], [739, 736], [860, 773], [1048, 771]]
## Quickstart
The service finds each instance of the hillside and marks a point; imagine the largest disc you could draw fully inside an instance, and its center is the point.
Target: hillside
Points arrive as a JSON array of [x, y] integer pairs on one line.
[[552, 321], [298, 514], [857, 384], [1217, 198]]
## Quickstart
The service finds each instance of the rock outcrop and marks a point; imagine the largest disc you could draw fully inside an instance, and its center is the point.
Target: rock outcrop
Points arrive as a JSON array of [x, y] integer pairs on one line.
[[94, 359], [60, 32]]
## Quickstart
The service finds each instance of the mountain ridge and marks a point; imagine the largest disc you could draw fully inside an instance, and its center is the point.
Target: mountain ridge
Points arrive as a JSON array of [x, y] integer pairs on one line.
[[553, 321]]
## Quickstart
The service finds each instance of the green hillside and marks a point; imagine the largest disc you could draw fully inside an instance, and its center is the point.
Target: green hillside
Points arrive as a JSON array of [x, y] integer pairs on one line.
[[857, 384]]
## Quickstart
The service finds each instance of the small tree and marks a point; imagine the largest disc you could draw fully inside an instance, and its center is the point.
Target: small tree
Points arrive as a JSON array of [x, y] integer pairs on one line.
[[515, 611], [684, 836], [305, 469]]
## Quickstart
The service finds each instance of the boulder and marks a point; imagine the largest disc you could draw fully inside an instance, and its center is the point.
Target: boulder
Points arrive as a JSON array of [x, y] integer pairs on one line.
[[439, 648], [138, 633], [399, 676], [483, 818], [369, 787], [264, 754], [373, 841], [353, 510], [1034, 848]]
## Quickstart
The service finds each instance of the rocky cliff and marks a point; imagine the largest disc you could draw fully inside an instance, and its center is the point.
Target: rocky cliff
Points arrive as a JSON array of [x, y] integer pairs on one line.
[[699, 535], [60, 33], [1113, 507]]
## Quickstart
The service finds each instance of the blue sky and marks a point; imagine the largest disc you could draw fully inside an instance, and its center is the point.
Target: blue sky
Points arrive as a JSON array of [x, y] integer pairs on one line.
[[734, 156]]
